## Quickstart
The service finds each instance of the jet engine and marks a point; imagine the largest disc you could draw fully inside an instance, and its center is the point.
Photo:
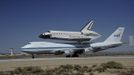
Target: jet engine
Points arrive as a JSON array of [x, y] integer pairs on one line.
[[69, 53]]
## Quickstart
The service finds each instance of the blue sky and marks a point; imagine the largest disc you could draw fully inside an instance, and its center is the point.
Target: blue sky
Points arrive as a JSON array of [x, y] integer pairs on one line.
[[21, 21]]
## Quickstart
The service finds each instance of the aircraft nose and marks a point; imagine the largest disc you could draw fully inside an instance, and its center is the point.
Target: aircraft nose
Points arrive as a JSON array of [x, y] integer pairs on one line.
[[41, 36], [44, 35], [24, 47]]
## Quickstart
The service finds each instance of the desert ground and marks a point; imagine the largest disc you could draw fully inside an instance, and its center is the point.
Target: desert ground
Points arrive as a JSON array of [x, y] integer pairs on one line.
[[10, 64]]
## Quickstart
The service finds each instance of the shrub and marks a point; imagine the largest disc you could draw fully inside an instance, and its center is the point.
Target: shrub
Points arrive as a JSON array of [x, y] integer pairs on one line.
[[91, 73], [18, 70], [127, 72], [66, 66], [48, 72], [100, 69], [89, 69], [111, 65], [6, 73], [85, 68], [68, 70], [93, 66], [77, 67], [28, 70], [66, 73], [79, 73]]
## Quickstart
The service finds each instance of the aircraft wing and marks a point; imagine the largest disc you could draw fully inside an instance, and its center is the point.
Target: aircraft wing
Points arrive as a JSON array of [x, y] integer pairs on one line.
[[70, 51]]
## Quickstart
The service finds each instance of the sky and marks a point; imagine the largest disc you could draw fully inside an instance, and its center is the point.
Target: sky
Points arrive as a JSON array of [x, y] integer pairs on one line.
[[21, 21]]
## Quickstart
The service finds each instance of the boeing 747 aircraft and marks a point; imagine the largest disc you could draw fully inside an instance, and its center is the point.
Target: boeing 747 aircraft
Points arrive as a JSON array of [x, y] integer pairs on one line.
[[84, 35], [74, 49]]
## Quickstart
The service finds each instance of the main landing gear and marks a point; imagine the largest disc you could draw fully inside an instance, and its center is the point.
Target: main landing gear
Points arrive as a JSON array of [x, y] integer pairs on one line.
[[33, 56], [74, 55]]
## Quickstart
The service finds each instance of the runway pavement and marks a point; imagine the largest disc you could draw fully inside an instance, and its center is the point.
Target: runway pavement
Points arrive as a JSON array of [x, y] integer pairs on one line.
[[64, 58]]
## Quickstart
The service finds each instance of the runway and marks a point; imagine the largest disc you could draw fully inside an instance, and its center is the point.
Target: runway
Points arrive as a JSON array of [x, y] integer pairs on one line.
[[10, 64], [64, 58]]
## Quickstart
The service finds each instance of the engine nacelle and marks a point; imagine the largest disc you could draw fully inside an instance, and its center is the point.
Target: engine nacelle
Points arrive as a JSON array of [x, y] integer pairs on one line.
[[69, 52], [58, 52], [86, 50], [90, 49]]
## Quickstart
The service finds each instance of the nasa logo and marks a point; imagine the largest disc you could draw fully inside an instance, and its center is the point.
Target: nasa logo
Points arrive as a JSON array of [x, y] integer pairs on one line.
[[118, 35]]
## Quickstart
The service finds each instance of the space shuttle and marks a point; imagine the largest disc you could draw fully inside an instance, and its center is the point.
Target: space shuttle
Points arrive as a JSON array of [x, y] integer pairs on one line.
[[85, 34]]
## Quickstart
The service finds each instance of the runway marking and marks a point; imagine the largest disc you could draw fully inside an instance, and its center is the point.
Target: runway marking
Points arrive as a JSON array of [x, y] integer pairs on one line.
[[63, 58]]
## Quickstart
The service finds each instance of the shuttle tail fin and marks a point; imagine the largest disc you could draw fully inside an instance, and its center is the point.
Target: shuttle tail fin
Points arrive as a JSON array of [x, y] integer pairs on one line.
[[87, 27], [116, 35]]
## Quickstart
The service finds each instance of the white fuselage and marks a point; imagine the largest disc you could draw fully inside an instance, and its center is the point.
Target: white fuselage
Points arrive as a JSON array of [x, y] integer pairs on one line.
[[51, 48], [68, 35], [85, 34]]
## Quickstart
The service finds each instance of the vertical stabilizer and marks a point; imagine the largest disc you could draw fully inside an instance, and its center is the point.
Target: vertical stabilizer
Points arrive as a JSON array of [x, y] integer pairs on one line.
[[87, 27], [116, 35]]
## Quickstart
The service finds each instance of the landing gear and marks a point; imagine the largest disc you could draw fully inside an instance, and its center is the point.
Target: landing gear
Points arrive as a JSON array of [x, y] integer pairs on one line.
[[74, 55], [68, 55], [33, 56]]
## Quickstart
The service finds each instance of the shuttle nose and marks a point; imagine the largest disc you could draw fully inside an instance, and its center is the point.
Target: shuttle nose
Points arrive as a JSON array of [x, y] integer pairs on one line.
[[44, 35], [41, 36]]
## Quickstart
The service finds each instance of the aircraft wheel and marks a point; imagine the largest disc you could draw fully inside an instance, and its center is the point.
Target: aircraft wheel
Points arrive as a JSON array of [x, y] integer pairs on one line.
[[33, 56], [75, 55], [68, 55]]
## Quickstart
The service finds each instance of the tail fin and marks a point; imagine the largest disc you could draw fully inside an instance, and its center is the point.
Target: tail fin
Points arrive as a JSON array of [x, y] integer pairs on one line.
[[116, 35], [87, 27]]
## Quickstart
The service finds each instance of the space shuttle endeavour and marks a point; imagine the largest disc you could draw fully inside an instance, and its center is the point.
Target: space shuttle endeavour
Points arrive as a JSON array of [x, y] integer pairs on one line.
[[85, 34]]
